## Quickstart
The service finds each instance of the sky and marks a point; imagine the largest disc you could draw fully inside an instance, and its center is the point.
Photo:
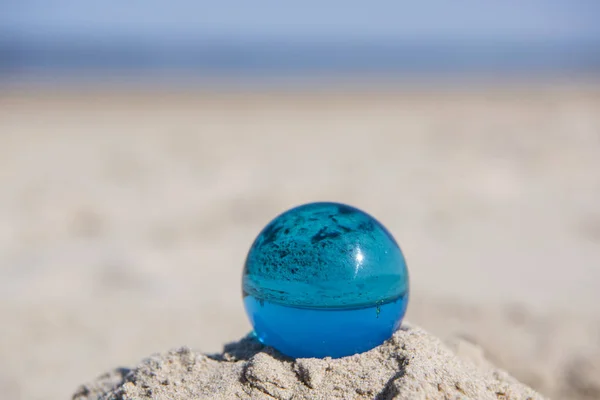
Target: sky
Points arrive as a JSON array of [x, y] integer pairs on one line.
[[309, 20], [273, 36]]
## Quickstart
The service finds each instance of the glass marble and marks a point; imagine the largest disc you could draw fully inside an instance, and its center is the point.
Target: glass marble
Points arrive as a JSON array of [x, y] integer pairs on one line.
[[325, 280]]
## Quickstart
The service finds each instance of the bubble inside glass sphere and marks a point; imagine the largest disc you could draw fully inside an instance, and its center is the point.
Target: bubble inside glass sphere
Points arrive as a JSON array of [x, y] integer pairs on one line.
[[325, 279]]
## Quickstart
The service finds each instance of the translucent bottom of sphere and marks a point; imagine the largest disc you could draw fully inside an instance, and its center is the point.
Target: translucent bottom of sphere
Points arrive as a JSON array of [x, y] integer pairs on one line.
[[304, 332]]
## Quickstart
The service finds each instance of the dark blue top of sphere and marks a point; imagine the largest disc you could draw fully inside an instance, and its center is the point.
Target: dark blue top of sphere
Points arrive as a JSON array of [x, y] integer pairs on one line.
[[325, 255]]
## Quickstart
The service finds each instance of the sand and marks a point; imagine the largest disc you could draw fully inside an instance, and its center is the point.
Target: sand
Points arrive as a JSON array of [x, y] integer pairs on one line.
[[411, 365], [126, 218], [557, 356]]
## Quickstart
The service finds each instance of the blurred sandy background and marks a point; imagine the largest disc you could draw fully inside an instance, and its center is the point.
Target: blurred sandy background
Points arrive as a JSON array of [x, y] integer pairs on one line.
[[143, 148], [126, 217]]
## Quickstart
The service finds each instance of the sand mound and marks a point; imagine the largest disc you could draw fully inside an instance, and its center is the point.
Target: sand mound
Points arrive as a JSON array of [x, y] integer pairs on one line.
[[411, 365]]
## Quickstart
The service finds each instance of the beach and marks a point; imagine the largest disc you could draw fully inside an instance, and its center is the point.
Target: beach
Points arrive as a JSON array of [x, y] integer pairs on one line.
[[127, 215]]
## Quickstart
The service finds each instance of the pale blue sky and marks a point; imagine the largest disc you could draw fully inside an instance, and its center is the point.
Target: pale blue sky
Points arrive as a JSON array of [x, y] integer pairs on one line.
[[272, 37], [333, 20]]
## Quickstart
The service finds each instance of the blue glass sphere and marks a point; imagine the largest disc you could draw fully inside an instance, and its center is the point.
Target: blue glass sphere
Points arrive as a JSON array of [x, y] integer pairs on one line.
[[325, 279]]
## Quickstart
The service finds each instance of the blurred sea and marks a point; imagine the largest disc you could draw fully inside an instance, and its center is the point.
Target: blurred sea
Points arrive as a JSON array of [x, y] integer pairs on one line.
[[71, 41], [50, 60]]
